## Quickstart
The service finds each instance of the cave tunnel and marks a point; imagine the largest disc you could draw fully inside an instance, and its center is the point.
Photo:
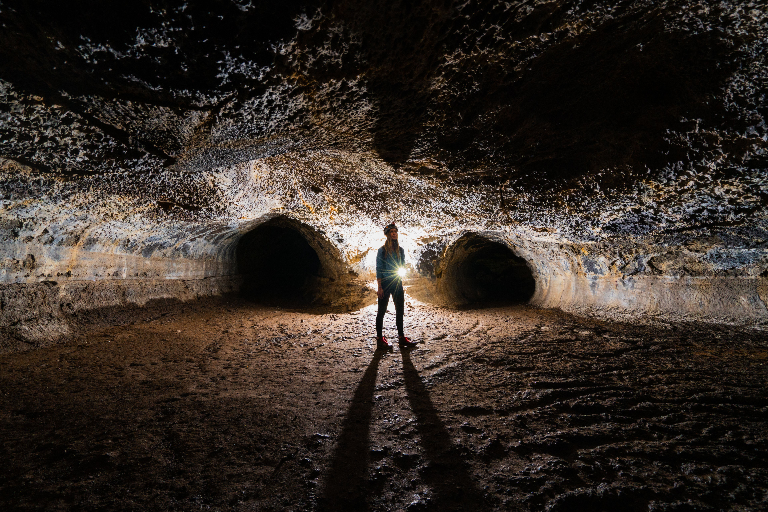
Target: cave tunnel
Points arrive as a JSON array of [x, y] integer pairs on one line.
[[278, 265], [478, 272], [603, 161]]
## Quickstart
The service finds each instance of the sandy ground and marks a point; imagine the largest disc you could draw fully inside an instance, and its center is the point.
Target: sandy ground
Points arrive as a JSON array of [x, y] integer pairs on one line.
[[225, 405]]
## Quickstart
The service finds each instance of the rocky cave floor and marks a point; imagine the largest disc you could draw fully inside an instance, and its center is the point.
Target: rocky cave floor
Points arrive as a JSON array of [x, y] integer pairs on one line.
[[221, 404]]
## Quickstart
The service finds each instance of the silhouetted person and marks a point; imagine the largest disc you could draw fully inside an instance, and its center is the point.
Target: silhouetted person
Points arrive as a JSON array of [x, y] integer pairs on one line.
[[390, 268]]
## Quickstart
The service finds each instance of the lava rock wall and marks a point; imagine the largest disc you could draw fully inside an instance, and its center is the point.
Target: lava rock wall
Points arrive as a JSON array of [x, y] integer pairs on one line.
[[619, 148]]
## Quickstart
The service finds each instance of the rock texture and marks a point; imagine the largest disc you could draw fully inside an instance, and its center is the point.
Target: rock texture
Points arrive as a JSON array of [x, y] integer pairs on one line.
[[221, 404], [619, 148]]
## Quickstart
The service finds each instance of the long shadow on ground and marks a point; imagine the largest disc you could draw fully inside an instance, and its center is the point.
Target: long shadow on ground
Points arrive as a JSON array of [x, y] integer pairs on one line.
[[447, 473], [346, 486]]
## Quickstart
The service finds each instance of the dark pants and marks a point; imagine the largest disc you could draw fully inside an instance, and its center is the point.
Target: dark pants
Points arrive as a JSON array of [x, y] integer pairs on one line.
[[398, 295]]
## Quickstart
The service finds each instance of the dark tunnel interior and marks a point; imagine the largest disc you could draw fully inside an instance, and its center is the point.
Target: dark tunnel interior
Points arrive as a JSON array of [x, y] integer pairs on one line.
[[481, 272], [278, 266]]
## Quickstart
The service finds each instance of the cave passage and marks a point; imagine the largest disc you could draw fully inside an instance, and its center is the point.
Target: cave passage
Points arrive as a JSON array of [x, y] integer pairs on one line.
[[481, 272], [278, 266]]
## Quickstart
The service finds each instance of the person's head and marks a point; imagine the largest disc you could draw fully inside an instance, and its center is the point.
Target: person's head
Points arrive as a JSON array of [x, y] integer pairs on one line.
[[391, 244], [391, 231]]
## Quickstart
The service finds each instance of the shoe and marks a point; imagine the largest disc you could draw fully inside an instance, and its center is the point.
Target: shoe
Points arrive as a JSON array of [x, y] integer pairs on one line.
[[406, 342], [383, 344]]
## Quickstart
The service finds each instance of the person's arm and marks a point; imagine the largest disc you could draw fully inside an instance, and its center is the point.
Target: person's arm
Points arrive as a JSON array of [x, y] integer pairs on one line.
[[379, 272]]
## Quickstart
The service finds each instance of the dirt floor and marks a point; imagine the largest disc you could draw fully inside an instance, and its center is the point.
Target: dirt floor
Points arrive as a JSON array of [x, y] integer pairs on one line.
[[225, 405]]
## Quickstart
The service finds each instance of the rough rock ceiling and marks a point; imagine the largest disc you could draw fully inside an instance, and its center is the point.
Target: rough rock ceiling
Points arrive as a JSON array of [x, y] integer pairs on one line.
[[163, 128]]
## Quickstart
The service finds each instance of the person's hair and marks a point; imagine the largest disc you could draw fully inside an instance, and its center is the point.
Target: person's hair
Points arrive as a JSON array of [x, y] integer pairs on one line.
[[391, 246]]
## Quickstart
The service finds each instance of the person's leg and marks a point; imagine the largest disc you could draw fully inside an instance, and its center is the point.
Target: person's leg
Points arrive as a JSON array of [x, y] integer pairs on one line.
[[399, 298], [383, 302]]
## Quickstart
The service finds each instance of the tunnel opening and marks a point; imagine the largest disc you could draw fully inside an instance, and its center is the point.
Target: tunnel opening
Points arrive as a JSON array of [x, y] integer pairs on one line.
[[283, 262], [279, 265], [479, 272]]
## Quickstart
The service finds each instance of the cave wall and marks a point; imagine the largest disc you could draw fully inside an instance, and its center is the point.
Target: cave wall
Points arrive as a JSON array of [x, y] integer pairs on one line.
[[618, 147], [636, 282], [654, 286]]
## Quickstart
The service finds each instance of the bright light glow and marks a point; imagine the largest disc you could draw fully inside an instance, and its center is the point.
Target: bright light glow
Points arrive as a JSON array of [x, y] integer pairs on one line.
[[401, 271]]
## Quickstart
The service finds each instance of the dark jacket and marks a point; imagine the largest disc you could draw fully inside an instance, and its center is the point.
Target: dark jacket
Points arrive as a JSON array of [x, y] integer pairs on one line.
[[386, 268]]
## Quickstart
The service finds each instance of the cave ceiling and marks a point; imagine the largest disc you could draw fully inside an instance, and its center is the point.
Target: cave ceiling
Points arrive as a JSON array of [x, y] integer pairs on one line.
[[579, 120]]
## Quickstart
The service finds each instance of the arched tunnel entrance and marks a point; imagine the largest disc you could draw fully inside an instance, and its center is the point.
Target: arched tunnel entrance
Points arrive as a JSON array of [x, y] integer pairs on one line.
[[286, 263], [277, 265], [478, 271]]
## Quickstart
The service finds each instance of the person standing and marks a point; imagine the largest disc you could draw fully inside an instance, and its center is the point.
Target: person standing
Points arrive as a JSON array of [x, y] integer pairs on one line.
[[390, 268]]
